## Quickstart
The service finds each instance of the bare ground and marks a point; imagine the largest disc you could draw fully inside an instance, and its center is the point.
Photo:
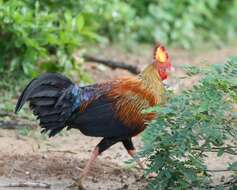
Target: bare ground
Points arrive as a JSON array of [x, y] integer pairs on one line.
[[58, 160]]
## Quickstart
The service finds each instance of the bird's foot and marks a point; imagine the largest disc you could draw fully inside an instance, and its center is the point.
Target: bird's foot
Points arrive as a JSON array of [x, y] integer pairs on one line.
[[152, 175], [77, 185]]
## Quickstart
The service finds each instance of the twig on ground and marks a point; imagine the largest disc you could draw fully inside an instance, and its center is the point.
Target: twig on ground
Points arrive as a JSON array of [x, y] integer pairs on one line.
[[28, 184], [4, 114], [13, 125], [11, 114], [216, 149], [113, 64], [109, 63], [231, 183], [62, 151], [220, 170]]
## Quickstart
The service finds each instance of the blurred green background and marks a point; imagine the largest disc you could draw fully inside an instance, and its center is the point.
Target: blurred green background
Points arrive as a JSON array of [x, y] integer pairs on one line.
[[54, 35], [43, 35]]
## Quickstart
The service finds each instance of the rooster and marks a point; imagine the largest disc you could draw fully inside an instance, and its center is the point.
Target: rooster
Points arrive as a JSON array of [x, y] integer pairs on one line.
[[112, 110]]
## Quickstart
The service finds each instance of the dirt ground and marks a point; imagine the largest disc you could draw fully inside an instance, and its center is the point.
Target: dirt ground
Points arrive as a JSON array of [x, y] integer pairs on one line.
[[56, 161], [59, 159]]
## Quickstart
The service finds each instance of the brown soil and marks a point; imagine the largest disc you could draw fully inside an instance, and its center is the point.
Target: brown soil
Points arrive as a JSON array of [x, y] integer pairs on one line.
[[60, 159]]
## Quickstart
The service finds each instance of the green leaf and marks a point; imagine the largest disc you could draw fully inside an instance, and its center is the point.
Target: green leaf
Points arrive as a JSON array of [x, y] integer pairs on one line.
[[220, 152], [80, 22], [189, 126], [233, 166]]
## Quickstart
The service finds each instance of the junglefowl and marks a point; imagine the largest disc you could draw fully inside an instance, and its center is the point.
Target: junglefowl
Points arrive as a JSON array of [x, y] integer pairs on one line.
[[112, 110]]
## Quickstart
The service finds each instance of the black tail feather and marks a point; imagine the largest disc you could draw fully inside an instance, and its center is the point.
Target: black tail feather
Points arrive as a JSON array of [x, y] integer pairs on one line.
[[55, 80], [50, 99]]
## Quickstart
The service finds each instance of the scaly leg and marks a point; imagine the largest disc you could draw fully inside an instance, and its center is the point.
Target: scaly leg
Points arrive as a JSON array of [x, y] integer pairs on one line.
[[78, 182], [128, 144], [104, 144], [132, 153]]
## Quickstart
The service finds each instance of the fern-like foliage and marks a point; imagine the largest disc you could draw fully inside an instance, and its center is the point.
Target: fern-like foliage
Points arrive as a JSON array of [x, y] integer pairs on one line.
[[191, 125]]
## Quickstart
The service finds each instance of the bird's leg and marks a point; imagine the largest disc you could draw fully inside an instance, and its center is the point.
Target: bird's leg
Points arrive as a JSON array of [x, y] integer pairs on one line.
[[78, 182], [128, 144], [132, 153], [104, 144], [143, 166]]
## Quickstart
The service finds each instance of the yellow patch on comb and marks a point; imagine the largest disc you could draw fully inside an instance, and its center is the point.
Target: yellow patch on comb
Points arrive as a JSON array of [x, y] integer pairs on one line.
[[161, 55]]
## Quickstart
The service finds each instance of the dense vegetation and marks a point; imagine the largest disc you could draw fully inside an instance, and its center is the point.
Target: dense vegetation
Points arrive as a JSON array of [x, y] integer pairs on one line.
[[34, 36], [187, 23], [43, 35], [191, 125], [37, 36]]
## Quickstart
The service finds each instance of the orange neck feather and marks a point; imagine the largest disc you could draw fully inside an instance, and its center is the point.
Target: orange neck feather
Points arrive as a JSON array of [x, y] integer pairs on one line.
[[151, 77]]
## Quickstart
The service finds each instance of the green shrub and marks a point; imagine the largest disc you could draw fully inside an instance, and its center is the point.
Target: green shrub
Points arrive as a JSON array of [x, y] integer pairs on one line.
[[188, 23], [34, 36], [192, 124], [43, 35]]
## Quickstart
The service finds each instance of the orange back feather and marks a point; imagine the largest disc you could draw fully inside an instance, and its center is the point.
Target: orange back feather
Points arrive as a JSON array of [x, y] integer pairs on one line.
[[132, 95]]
